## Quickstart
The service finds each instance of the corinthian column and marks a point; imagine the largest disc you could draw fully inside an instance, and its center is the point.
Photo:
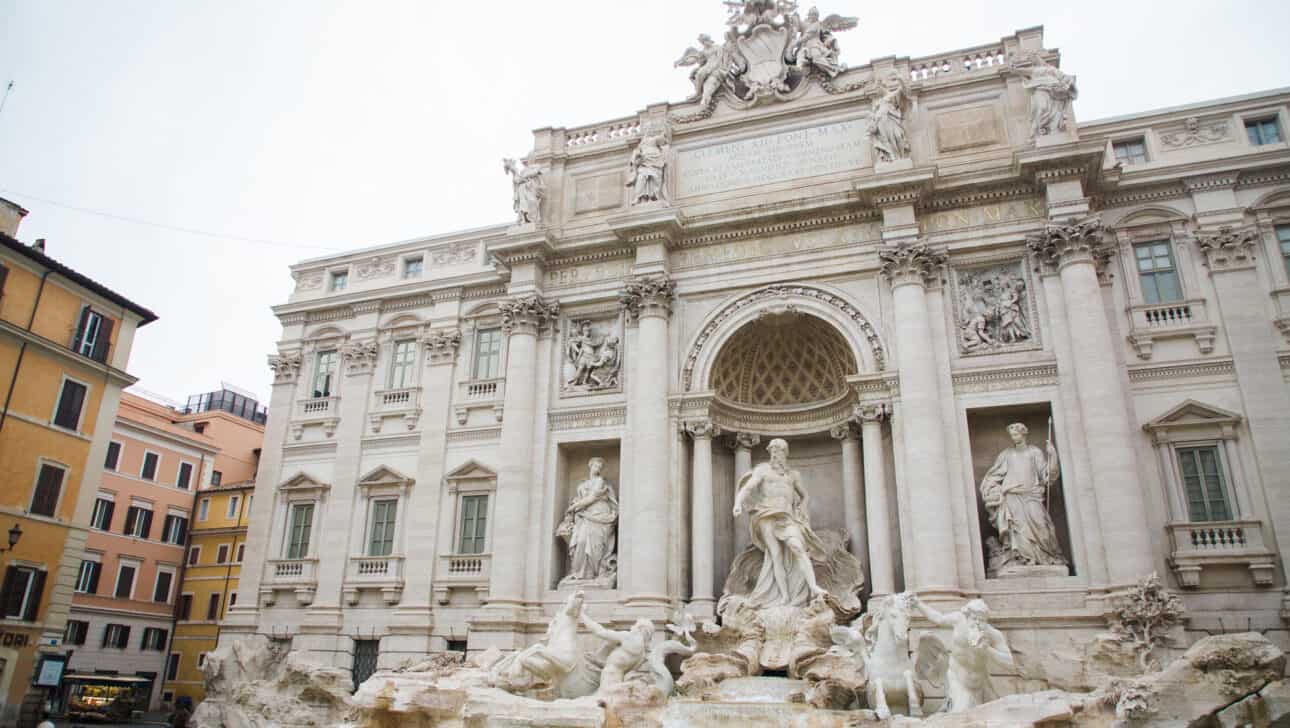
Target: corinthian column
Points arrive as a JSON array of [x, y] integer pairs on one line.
[[702, 519], [1076, 248], [926, 477], [649, 301], [882, 568], [743, 444], [852, 490], [522, 318]]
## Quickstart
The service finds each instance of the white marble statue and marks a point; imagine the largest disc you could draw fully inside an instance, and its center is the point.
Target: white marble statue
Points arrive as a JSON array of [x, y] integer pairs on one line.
[[880, 640], [816, 47], [887, 121], [528, 189], [648, 166], [713, 67], [590, 528], [556, 663], [1015, 491], [1050, 92], [781, 529], [593, 358], [962, 666], [627, 650]]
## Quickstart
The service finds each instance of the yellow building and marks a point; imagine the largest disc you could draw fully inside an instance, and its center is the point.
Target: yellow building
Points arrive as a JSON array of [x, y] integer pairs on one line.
[[64, 344], [217, 545]]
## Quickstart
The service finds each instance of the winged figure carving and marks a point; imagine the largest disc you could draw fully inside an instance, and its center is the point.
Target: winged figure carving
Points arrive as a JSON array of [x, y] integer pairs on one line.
[[816, 46], [715, 64]]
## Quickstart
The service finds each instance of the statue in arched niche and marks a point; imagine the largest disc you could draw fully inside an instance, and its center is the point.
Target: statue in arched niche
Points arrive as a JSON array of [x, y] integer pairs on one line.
[[590, 529]]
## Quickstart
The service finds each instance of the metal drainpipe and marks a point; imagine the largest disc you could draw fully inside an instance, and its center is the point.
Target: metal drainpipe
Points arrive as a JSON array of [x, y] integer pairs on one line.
[[22, 350]]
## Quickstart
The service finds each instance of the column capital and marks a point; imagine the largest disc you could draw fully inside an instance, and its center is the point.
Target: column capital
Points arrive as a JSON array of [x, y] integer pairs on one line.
[[702, 429], [441, 346], [911, 263], [285, 366], [1228, 248], [360, 357], [648, 296], [843, 431], [528, 313], [744, 441], [872, 412], [1080, 240]]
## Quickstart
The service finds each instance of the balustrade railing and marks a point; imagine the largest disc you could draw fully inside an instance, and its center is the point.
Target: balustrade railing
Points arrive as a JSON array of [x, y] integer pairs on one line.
[[608, 131], [375, 568], [397, 399], [483, 390], [293, 570], [319, 406], [465, 568], [966, 61]]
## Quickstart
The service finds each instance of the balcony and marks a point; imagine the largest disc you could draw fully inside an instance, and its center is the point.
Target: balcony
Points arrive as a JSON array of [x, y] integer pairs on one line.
[[298, 575], [383, 573], [462, 571], [402, 403], [1152, 321], [1197, 546], [316, 411], [480, 394]]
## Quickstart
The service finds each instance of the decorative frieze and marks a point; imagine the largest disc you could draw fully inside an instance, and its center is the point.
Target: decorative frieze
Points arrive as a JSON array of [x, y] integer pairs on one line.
[[913, 263], [476, 434], [311, 281], [360, 357], [593, 356], [997, 379], [441, 346], [1186, 370], [1060, 243], [458, 254], [528, 313], [587, 419], [285, 366], [375, 267], [1228, 248], [648, 296], [1194, 133]]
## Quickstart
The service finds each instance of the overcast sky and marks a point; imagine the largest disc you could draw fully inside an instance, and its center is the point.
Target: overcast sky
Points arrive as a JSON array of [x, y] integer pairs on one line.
[[340, 125]]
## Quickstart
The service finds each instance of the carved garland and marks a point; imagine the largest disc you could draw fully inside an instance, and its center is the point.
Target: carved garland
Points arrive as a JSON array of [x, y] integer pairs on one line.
[[739, 304]]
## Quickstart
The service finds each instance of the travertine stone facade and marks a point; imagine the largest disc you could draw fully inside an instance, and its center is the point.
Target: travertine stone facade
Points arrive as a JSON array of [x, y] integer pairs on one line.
[[887, 266]]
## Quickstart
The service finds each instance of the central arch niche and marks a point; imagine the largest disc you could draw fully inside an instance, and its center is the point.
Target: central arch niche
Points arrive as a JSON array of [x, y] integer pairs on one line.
[[783, 360]]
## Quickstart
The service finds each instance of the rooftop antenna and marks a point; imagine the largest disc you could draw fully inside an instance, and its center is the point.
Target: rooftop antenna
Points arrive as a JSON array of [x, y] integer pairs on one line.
[[5, 98]]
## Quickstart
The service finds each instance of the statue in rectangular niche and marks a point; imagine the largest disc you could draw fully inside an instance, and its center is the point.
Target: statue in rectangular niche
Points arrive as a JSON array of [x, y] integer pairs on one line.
[[593, 358], [1016, 491], [590, 530], [992, 309]]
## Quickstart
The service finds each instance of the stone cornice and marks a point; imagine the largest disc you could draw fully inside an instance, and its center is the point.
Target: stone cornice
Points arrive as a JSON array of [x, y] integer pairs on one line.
[[976, 196], [1182, 370], [1208, 182], [651, 222]]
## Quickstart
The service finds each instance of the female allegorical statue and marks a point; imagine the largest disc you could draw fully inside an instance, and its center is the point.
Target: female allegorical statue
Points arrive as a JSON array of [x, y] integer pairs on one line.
[[887, 124], [1015, 491], [590, 527]]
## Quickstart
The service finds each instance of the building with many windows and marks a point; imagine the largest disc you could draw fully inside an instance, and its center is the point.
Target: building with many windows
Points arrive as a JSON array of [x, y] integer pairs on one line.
[[64, 346], [902, 270]]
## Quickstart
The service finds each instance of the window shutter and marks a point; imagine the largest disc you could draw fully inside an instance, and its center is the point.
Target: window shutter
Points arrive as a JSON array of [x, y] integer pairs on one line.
[[48, 483], [103, 342], [125, 636], [107, 519], [147, 524], [80, 329], [131, 513], [183, 530], [107, 630], [4, 275], [10, 595], [95, 569], [69, 405], [33, 602]]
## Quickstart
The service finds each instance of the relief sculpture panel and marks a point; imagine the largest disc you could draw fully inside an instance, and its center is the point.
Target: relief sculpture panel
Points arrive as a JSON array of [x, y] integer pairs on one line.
[[593, 356], [994, 309]]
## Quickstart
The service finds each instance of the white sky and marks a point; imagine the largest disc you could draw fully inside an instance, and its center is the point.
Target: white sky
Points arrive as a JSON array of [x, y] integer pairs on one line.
[[345, 124]]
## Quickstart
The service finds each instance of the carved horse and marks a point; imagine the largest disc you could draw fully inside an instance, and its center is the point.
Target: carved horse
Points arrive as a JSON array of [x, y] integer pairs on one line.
[[881, 639]]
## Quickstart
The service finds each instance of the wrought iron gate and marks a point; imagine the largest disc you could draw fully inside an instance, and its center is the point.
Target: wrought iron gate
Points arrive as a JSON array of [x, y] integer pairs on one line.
[[365, 654]]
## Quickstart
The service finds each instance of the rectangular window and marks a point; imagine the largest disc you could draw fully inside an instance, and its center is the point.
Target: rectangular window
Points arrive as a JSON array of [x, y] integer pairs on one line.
[[154, 639], [70, 402], [1156, 272], [149, 469], [412, 267], [233, 502], [194, 555], [101, 518], [185, 476], [20, 596], [1283, 238], [1263, 131], [339, 280], [488, 354], [302, 522], [324, 373], [76, 631], [185, 606], [402, 364], [93, 335], [1203, 484], [49, 484], [474, 516], [216, 478], [116, 635], [1130, 151], [212, 607], [113, 456], [87, 580], [172, 666], [203, 509], [125, 581], [221, 554], [381, 542], [175, 529], [138, 522], [241, 552], [161, 592]]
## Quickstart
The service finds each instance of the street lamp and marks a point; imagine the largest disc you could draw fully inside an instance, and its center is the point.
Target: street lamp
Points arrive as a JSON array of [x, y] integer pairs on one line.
[[15, 533]]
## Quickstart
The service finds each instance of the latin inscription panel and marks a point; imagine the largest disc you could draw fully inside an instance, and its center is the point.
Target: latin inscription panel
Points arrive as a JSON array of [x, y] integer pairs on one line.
[[788, 155]]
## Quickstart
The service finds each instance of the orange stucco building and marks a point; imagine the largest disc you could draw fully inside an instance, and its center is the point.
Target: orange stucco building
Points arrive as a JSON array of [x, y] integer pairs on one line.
[[64, 344]]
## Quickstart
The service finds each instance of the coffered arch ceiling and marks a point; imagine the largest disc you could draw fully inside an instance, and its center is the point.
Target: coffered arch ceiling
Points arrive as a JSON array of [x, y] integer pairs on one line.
[[783, 360]]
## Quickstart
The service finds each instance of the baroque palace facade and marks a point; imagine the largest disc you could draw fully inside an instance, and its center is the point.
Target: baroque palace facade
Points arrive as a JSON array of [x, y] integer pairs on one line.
[[885, 267]]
